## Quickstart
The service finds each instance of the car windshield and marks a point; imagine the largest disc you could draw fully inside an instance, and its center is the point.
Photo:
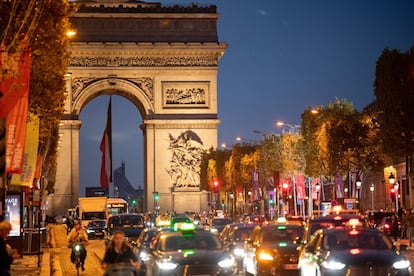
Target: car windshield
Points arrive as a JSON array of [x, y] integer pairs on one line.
[[195, 241], [344, 240], [220, 221], [96, 223], [93, 215], [126, 221], [282, 235], [241, 234]]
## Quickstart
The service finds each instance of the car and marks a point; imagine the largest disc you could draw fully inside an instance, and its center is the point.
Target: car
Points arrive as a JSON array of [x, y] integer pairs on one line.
[[330, 221], [131, 224], [96, 229], [235, 241], [272, 249], [218, 224], [352, 251], [225, 233], [189, 251], [143, 245]]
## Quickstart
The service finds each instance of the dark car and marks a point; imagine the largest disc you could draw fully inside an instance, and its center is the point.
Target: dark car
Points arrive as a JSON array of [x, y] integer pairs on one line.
[[330, 221], [143, 244], [351, 251], [131, 224], [217, 224], [235, 241], [189, 251], [96, 229], [272, 249]]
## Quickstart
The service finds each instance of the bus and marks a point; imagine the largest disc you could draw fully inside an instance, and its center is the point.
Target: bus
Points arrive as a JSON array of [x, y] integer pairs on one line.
[[116, 206]]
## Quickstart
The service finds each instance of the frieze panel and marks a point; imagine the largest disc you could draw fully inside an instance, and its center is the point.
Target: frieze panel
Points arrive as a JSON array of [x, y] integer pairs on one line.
[[148, 61], [185, 94]]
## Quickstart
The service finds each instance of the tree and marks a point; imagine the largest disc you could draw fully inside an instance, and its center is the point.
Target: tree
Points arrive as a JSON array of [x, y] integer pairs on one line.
[[394, 91], [41, 26]]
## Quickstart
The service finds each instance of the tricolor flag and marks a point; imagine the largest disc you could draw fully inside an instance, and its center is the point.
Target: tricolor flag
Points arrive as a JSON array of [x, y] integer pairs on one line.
[[106, 149]]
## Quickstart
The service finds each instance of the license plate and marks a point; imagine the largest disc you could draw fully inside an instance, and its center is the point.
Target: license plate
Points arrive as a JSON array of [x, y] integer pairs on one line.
[[290, 266], [98, 233]]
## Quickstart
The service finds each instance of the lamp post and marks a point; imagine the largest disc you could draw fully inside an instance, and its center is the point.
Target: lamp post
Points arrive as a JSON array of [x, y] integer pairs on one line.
[[372, 189], [391, 179], [358, 187], [318, 202]]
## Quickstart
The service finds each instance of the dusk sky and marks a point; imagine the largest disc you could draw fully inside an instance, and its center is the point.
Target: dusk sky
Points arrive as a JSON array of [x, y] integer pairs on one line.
[[283, 57]]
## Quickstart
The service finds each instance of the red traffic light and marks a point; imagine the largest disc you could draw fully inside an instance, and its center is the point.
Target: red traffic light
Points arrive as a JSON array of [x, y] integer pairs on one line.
[[392, 190], [216, 183]]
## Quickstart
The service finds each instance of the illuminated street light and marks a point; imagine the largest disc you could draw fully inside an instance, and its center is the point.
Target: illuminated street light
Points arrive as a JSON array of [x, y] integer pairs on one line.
[[292, 128], [372, 189], [391, 178], [70, 33]]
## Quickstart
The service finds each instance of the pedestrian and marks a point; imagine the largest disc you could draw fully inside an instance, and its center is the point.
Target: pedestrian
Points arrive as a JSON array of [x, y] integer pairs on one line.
[[394, 227], [410, 227], [120, 252], [78, 235], [7, 254]]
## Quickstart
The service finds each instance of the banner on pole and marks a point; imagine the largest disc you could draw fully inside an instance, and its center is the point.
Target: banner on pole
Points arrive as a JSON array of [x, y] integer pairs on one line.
[[300, 187], [25, 178]]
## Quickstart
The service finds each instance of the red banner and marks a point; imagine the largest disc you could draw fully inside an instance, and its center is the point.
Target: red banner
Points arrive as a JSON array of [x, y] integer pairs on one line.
[[14, 85], [300, 187]]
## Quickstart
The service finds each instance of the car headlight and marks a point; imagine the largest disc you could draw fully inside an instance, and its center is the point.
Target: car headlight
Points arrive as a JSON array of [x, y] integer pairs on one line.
[[89, 231], [226, 263], [166, 265], [334, 265], [214, 230], [264, 256], [143, 256], [403, 264], [238, 252]]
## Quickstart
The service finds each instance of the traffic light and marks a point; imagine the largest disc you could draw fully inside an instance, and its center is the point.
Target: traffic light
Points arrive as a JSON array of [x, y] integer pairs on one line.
[[134, 202], [215, 186], [271, 200], [392, 194], [222, 203], [156, 197]]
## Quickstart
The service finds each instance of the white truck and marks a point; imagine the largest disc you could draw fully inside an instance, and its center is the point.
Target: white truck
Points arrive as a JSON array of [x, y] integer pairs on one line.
[[91, 208]]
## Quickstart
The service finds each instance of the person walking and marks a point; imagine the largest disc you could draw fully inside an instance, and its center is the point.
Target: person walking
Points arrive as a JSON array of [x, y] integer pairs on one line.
[[7, 254]]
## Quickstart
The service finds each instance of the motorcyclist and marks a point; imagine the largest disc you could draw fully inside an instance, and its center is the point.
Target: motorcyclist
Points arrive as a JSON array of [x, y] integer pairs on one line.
[[76, 235], [119, 252]]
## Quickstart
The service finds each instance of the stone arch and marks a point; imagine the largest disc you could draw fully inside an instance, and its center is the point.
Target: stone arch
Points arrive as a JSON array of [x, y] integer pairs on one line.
[[130, 89]]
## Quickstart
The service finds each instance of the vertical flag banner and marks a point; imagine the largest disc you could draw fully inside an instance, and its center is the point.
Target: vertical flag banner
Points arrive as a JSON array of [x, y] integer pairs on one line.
[[300, 187], [106, 149], [339, 186], [14, 85], [25, 178], [255, 185], [276, 179], [315, 194]]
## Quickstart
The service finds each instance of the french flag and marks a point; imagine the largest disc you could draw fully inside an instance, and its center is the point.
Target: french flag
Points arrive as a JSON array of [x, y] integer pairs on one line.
[[106, 149]]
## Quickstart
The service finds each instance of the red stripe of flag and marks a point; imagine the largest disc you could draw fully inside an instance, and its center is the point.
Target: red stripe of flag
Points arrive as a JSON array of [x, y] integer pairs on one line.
[[106, 149]]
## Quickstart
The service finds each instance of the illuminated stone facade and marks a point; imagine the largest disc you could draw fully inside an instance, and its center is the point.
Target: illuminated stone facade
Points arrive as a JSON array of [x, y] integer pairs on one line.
[[165, 61]]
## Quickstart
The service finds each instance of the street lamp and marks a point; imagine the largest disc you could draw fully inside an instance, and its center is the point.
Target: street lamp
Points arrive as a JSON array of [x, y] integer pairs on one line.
[[396, 188], [318, 187], [391, 178], [358, 187], [372, 189], [293, 129]]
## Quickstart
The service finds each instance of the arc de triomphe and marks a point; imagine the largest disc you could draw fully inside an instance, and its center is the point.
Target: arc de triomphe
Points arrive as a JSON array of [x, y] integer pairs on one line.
[[165, 61]]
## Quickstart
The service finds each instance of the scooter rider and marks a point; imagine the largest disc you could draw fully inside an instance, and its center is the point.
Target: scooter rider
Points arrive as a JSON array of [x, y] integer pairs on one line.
[[78, 234]]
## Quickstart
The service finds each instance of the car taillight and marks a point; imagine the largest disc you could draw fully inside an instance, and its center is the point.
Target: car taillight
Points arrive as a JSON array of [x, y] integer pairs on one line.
[[387, 226]]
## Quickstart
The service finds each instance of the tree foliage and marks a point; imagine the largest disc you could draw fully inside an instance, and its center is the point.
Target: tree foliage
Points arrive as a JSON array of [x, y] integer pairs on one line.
[[41, 26], [394, 91]]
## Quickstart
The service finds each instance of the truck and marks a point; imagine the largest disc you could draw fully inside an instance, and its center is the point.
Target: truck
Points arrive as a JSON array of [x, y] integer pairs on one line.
[[91, 208]]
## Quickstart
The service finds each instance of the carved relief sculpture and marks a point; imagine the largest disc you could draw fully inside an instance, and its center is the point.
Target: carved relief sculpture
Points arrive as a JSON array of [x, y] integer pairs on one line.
[[186, 153], [185, 94]]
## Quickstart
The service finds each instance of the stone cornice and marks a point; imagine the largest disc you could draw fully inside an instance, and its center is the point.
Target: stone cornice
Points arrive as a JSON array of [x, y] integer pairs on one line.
[[146, 54], [182, 124]]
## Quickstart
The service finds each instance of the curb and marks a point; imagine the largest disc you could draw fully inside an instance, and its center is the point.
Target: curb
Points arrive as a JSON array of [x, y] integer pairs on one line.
[[54, 263]]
